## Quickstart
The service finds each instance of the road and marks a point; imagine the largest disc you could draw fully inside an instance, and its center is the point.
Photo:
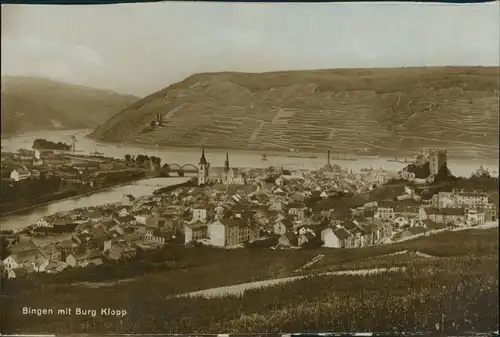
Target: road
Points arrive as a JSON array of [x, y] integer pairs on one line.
[[239, 289]]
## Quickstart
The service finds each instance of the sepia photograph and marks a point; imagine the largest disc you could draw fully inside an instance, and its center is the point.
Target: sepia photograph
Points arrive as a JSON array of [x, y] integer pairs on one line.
[[250, 168]]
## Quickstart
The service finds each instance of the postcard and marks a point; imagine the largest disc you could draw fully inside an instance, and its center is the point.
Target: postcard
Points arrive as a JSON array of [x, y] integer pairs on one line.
[[250, 168]]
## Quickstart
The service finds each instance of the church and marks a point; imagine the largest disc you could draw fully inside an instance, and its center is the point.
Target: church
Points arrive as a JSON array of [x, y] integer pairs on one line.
[[226, 176]]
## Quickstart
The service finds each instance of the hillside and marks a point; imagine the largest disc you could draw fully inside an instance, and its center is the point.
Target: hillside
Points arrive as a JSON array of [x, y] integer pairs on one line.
[[370, 111], [462, 273], [30, 104]]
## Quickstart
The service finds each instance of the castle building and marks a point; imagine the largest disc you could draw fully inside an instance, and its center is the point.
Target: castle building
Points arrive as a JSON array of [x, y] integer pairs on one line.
[[437, 160], [157, 120], [203, 169]]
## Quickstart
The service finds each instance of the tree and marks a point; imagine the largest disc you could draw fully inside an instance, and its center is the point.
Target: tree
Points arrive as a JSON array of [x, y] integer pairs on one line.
[[140, 159], [128, 158], [157, 161], [4, 250]]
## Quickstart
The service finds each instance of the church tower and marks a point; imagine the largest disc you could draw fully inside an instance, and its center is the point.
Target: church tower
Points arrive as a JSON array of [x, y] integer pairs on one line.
[[203, 167], [226, 164]]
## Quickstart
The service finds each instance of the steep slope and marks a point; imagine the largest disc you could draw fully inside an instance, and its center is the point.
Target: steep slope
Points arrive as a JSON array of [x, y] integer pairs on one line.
[[30, 104], [386, 111]]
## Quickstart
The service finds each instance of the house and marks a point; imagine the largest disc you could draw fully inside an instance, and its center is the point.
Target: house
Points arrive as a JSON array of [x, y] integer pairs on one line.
[[401, 221], [40, 265], [383, 232], [445, 215], [128, 219], [282, 225], [195, 232], [123, 212], [21, 259], [121, 251], [289, 239], [55, 267], [131, 239], [275, 205], [157, 236], [297, 210], [18, 272], [160, 222], [231, 232], [334, 237], [20, 174], [490, 212], [24, 154], [202, 213], [302, 230], [127, 200], [406, 209], [410, 232], [83, 259], [459, 198], [369, 234], [428, 225], [45, 222], [443, 199], [304, 238], [473, 198], [385, 211], [475, 217], [52, 252]]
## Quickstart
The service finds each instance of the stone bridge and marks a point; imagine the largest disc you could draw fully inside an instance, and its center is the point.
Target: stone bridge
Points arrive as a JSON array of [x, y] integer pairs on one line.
[[179, 169]]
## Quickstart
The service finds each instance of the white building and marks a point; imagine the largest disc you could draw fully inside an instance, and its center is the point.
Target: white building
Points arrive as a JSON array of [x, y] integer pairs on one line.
[[44, 222], [20, 174], [474, 218], [333, 237], [201, 213], [216, 232]]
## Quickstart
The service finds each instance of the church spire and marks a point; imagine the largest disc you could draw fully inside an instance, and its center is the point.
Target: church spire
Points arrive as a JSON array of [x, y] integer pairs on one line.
[[226, 164], [203, 160]]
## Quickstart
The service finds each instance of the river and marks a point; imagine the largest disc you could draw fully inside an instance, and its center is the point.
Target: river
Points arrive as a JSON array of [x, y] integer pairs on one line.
[[114, 194], [237, 158], [183, 156]]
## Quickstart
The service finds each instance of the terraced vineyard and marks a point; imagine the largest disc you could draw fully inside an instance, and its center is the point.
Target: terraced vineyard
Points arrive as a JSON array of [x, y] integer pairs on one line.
[[364, 111]]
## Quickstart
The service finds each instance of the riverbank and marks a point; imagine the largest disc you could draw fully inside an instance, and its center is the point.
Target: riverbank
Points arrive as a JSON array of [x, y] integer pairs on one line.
[[74, 196], [192, 182], [95, 198]]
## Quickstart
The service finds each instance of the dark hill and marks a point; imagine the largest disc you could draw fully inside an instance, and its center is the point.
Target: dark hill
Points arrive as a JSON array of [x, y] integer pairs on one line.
[[31, 104]]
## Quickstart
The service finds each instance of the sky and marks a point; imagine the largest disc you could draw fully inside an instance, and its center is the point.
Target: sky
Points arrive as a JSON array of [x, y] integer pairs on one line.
[[141, 48]]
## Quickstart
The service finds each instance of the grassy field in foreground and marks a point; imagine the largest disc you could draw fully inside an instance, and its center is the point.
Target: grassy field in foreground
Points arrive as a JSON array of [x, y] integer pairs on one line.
[[464, 279]]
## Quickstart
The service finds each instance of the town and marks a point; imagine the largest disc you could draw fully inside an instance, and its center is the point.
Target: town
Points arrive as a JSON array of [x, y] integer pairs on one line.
[[54, 171], [231, 208]]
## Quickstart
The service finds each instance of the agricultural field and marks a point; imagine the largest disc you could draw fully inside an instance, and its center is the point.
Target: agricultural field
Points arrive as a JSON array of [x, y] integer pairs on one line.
[[454, 277]]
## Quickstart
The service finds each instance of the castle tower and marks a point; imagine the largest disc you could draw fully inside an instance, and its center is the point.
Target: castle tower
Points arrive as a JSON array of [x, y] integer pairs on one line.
[[203, 167], [437, 159]]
